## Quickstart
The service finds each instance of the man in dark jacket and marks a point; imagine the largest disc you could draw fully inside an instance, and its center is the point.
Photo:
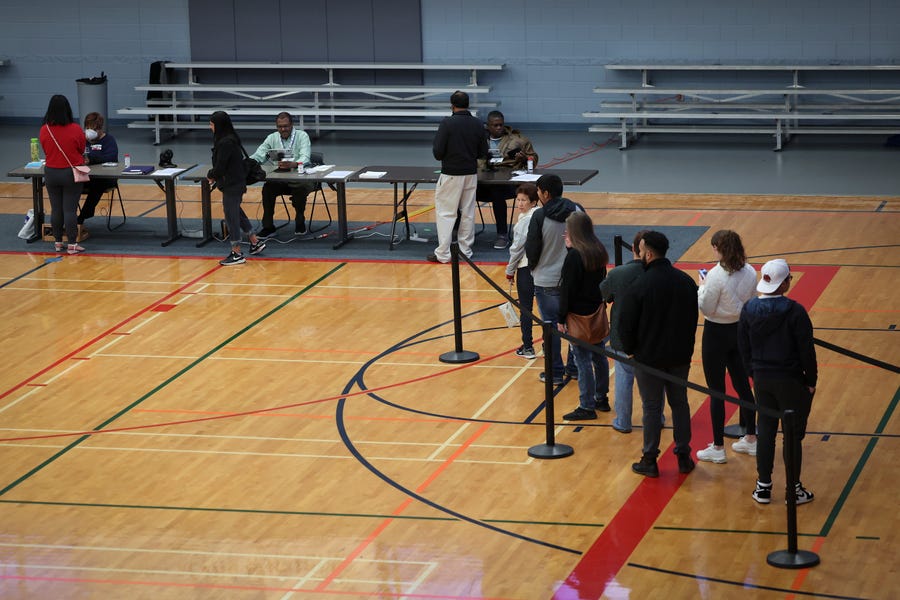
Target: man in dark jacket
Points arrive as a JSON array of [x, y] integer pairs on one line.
[[657, 327], [458, 144], [545, 249], [613, 289], [775, 337]]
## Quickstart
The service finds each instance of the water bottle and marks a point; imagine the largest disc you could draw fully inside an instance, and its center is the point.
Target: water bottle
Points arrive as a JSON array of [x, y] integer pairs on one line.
[[531, 164], [127, 161], [35, 150]]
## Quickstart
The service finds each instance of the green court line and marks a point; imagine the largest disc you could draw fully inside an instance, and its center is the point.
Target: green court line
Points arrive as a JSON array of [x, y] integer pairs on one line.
[[297, 513], [857, 471], [170, 379]]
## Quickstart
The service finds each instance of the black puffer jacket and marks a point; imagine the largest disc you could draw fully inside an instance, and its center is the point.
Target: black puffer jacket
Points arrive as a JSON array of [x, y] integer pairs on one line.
[[228, 165], [775, 337]]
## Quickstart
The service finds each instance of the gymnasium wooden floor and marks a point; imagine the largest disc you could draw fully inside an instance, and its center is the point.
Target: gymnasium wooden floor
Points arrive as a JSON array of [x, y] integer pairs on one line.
[[175, 429]]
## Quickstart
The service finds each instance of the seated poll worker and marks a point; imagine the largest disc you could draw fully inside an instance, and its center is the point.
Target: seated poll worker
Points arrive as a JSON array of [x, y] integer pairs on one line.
[[101, 147], [284, 148], [508, 149]]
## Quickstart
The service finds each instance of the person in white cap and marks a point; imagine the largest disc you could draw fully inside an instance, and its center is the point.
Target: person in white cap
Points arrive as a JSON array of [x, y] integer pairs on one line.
[[775, 336]]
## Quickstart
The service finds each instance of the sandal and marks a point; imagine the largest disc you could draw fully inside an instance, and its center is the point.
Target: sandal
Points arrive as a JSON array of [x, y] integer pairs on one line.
[[75, 249], [58, 246]]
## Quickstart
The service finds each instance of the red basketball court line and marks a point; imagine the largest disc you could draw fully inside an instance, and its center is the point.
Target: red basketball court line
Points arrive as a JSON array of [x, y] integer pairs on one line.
[[694, 219], [260, 410], [399, 510], [300, 416], [108, 332], [801, 575], [599, 566]]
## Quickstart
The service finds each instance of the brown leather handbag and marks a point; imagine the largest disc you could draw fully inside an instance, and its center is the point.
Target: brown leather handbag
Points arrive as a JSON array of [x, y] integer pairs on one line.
[[591, 328]]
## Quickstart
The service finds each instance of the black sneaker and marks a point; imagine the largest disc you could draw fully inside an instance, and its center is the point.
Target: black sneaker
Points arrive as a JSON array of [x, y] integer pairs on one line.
[[763, 493], [556, 380], [235, 258], [580, 414], [603, 404], [265, 232], [572, 374], [803, 495], [647, 467], [258, 247], [300, 227], [526, 352], [685, 463]]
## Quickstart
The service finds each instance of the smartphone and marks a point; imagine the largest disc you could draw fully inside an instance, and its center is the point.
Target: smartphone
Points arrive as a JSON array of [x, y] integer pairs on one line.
[[703, 273]]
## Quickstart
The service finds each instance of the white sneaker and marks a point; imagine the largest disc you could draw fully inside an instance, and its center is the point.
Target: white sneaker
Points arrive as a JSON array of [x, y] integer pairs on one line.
[[712, 454], [744, 446]]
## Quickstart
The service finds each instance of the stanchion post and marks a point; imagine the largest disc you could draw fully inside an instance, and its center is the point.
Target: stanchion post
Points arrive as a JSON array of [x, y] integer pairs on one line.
[[458, 355], [792, 558], [549, 449], [617, 249]]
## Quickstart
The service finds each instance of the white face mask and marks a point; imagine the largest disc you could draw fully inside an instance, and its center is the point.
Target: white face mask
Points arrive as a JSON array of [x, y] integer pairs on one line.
[[90, 134]]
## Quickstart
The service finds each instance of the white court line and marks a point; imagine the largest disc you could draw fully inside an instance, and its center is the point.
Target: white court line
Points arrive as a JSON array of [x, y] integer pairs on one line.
[[132, 550], [211, 574], [519, 372], [269, 454]]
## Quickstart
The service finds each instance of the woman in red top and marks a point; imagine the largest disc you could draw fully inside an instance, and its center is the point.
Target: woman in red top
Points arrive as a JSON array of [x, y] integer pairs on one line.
[[63, 142]]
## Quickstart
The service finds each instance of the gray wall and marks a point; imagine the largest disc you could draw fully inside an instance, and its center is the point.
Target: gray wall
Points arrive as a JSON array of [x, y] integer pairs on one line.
[[554, 50]]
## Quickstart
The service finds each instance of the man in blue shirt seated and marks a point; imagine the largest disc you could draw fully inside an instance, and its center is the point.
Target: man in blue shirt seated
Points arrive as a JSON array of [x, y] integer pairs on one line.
[[293, 147], [101, 147]]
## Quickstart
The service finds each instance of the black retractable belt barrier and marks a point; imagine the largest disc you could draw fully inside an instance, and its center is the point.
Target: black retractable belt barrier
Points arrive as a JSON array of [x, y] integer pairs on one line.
[[458, 355]]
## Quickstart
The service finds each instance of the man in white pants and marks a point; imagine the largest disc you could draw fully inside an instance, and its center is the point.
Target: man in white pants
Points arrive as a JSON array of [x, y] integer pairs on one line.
[[459, 143]]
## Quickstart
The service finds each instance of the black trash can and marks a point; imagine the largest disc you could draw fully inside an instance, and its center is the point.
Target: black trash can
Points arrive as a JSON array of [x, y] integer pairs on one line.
[[92, 96]]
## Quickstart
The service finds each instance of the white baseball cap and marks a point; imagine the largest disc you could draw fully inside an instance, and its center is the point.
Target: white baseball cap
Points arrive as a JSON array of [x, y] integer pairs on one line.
[[774, 273]]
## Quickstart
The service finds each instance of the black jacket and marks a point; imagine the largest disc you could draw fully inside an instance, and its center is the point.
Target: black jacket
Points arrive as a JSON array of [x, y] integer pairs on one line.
[[775, 337], [659, 316], [459, 143], [579, 288], [228, 165]]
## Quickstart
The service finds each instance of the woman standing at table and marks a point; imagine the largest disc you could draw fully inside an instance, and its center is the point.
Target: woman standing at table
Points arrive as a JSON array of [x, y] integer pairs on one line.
[[63, 142], [228, 175]]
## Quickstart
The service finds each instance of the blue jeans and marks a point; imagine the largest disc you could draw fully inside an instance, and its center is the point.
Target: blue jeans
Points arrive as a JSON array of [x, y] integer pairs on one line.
[[654, 391], [593, 376], [624, 394], [548, 303]]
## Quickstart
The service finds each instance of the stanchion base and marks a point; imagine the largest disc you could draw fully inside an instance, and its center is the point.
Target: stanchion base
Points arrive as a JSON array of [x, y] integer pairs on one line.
[[735, 431], [550, 451], [801, 559], [463, 356]]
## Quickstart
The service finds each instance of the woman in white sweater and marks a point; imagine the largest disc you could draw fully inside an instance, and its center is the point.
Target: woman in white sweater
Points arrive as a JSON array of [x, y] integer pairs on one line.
[[517, 268], [722, 294]]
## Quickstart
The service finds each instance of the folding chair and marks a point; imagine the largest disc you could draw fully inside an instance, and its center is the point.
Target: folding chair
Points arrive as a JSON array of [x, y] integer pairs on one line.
[[315, 159], [113, 192]]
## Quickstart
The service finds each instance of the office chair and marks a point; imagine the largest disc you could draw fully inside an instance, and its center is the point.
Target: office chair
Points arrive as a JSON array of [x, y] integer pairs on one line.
[[315, 159]]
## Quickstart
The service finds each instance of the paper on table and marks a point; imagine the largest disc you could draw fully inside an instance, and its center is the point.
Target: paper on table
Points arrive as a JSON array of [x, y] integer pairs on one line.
[[167, 172], [526, 177], [37, 164], [372, 174], [338, 174], [320, 169]]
